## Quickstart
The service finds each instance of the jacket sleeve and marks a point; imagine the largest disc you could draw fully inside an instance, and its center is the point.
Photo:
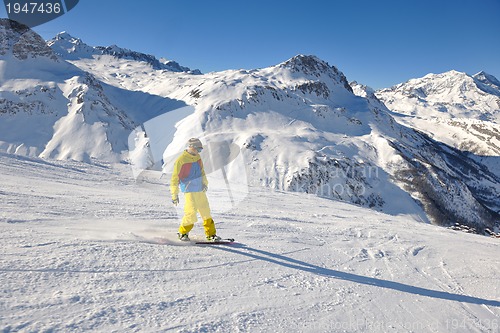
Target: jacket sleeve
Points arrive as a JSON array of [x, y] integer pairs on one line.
[[204, 179], [174, 181]]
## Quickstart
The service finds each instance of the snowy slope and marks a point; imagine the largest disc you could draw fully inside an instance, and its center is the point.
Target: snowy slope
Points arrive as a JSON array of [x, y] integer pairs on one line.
[[49, 107], [460, 110], [452, 95], [457, 109], [72, 48], [53, 109], [301, 128], [79, 253], [297, 126]]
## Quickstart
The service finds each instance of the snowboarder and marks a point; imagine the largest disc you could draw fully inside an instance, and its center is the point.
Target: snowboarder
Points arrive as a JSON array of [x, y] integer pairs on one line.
[[190, 175]]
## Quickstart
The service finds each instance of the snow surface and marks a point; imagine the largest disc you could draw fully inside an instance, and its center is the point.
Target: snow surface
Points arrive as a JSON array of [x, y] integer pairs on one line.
[[302, 104], [458, 109], [80, 252], [447, 95], [298, 123]]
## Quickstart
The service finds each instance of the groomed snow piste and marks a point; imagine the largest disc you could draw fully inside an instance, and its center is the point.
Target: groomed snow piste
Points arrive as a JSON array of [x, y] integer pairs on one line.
[[80, 252]]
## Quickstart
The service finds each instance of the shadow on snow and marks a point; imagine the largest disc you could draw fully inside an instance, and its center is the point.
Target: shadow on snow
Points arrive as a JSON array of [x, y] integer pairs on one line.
[[282, 260]]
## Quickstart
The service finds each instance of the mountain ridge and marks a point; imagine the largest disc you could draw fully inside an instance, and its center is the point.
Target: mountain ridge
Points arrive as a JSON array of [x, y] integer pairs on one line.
[[298, 124], [455, 108], [451, 94], [19, 41], [72, 48]]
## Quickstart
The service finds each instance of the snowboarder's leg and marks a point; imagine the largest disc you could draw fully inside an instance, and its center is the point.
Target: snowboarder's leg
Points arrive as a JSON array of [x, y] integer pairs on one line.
[[189, 214], [204, 210], [185, 229], [209, 226]]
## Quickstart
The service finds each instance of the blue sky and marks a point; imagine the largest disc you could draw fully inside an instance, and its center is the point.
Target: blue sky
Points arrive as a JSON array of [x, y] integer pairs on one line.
[[378, 43]]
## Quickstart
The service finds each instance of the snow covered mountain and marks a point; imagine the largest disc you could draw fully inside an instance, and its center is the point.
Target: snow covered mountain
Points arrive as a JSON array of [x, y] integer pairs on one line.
[[302, 129], [298, 125], [71, 48], [460, 110], [50, 108], [448, 95]]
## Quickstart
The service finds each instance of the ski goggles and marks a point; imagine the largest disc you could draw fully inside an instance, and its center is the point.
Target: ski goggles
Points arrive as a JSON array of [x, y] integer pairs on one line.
[[198, 149]]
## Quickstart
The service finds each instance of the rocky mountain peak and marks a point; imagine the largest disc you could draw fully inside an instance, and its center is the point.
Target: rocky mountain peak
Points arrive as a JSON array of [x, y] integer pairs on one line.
[[312, 66], [488, 79], [65, 36], [361, 89], [69, 47], [308, 64], [22, 42], [72, 48], [451, 83]]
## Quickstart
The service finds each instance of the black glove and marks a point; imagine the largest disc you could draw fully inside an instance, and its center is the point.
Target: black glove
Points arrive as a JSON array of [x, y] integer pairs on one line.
[[205, 188], [175, 200]]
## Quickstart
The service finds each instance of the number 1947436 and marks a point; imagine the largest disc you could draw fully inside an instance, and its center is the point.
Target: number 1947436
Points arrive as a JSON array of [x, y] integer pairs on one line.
[[34, 8]]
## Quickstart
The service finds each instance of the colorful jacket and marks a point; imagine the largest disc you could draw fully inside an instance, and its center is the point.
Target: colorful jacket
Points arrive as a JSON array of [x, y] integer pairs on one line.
[[188, 173]]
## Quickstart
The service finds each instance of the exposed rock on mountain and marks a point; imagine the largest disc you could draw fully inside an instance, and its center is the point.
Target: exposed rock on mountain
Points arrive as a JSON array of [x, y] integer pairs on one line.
[[18, 40], [71, 48], [299, 125]]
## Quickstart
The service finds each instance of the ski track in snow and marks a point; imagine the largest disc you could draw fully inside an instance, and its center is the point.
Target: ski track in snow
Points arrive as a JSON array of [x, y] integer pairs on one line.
[[80, 252]]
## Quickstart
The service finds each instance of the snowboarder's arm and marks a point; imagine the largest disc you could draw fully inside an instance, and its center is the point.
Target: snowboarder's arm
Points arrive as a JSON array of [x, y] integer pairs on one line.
[[174, 181], [204, 179]]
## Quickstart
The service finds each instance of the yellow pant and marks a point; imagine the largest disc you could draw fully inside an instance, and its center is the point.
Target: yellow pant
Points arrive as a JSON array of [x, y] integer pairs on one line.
[[197, 202]]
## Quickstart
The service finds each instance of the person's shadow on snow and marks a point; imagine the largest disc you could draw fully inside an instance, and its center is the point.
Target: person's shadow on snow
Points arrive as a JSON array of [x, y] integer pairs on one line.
[[285, 261]]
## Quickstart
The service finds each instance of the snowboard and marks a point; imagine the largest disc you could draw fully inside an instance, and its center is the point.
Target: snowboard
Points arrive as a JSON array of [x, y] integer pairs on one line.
[[224, 241], [173, 240]]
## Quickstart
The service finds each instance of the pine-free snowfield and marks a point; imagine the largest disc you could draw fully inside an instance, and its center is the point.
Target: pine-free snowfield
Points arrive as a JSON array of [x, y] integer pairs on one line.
[[79, 254]]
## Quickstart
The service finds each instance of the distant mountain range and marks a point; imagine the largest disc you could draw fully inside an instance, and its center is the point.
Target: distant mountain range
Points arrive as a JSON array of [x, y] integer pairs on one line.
[[428, 147], [461, 110], [71, 48]]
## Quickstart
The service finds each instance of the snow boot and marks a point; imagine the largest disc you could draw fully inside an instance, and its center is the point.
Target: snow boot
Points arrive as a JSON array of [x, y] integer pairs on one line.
[[213, 238], [183, 237]]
